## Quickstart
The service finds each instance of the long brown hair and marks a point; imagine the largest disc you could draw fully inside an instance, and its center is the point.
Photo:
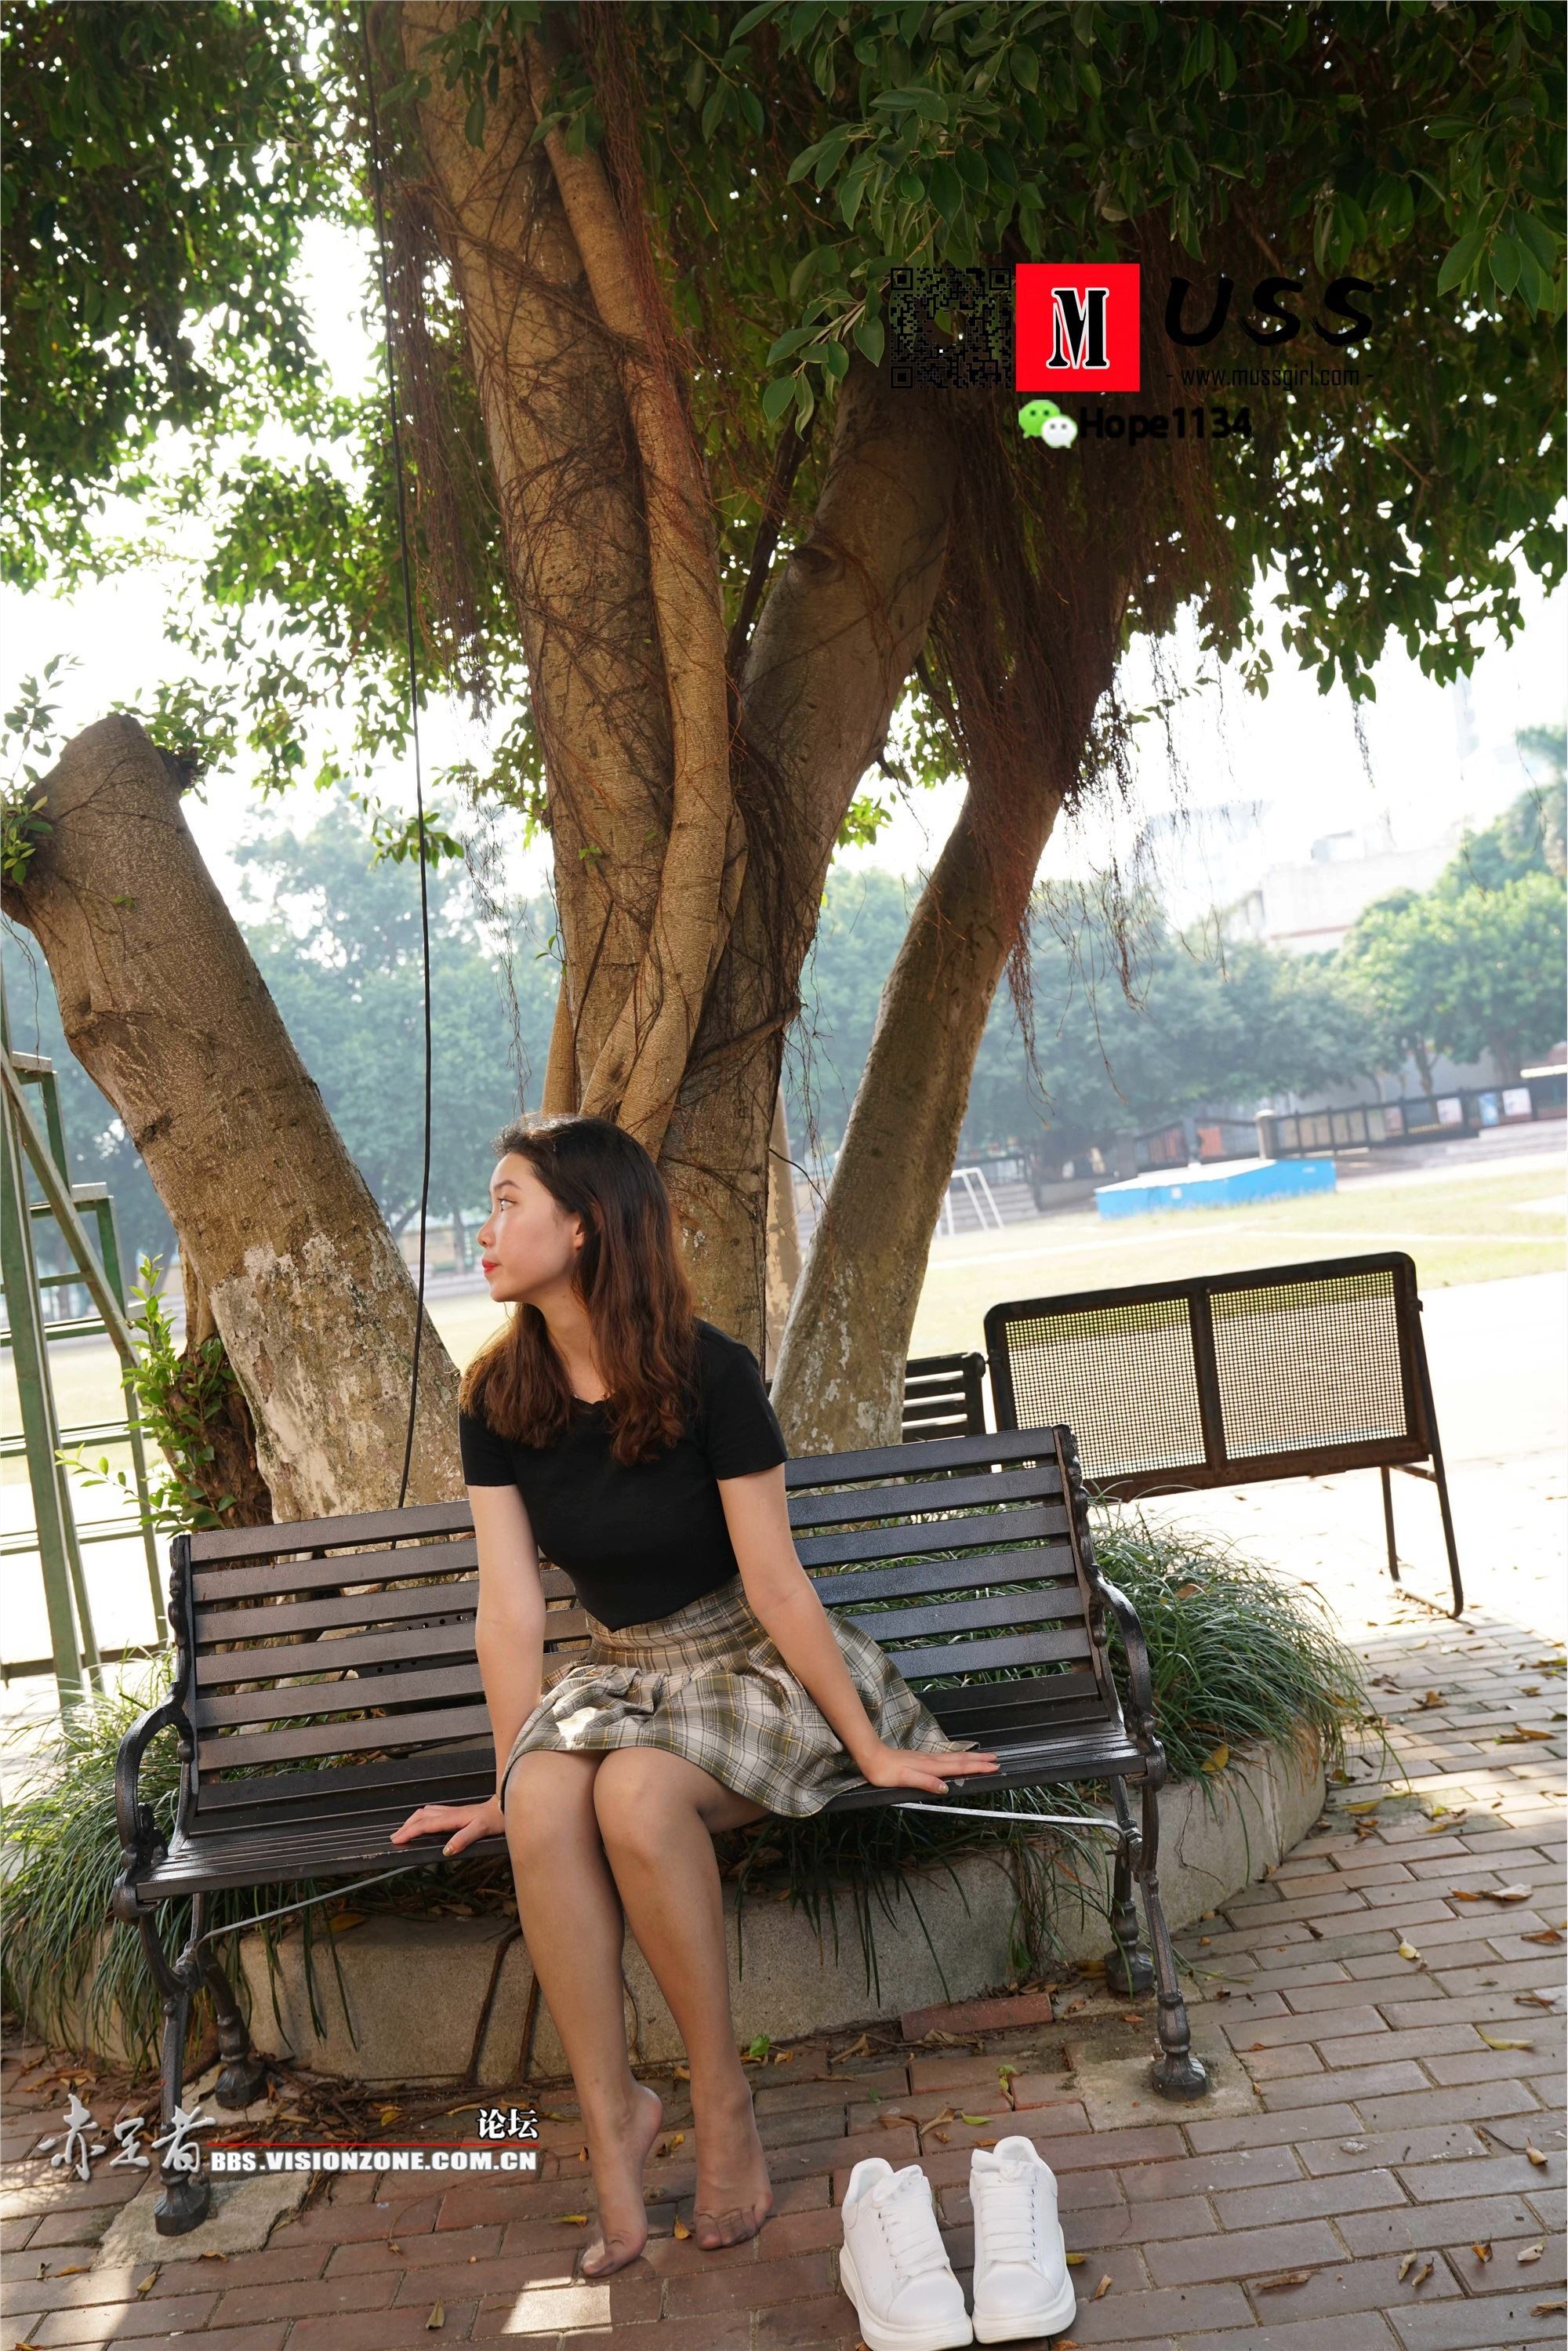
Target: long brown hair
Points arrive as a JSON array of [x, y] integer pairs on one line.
[[630, 1276]]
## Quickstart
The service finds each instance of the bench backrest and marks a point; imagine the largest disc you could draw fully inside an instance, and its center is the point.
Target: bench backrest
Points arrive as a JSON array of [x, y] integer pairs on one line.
[[1297, 1370], [293, 1632], [944, 1396]]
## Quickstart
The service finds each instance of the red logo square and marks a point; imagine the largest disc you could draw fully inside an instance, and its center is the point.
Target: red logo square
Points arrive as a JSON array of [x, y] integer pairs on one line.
[[1076, 326]]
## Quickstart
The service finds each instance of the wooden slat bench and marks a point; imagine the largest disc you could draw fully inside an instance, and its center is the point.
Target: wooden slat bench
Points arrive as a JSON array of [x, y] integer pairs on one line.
[[320, 1695]]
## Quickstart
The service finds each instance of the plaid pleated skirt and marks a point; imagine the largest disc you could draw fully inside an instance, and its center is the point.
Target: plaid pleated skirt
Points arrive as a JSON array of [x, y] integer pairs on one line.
[[708, 1682]]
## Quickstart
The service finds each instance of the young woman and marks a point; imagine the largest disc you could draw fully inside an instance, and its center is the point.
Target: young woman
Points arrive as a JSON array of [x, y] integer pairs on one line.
[[634, 1444]]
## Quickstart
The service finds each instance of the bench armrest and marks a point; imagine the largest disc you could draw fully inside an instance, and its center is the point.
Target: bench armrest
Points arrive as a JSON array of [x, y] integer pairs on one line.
[[1140, 1710], [140, 1842]]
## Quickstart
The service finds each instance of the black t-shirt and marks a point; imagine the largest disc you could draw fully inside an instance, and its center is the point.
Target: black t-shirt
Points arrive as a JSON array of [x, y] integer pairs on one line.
[[639, 1541]]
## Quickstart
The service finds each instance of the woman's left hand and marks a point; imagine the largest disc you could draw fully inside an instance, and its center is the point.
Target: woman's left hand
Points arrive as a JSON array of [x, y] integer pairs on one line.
[[915, 1767]]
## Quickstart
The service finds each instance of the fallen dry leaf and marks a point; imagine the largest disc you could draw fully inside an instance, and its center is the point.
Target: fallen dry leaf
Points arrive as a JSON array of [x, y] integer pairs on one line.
[[437, 2316], [682, 2074], [1530, 2252], [1216, 1760], [1285, 2278], [1534, 1999], [1547, 2309], [1511, 1894], [1408, 1951], [571, 2220], [1103, 2289], [680, 2229], [1405, 2266], [1482, 2251], [146, 2287], [891, 2122], [1535, 2155], [1422, 2274], [1543, 1935], [974, 2118], [1496, 2041], [1432, 1697], [1523, 1737], [1076, 2260], [1370, 1806]]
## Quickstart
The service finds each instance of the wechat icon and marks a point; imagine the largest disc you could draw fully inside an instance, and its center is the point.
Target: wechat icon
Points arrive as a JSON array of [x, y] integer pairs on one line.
[[1042, 420]]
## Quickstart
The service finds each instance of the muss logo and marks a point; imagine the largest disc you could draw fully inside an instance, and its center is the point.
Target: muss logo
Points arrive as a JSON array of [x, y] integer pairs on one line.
[[1076, 327]]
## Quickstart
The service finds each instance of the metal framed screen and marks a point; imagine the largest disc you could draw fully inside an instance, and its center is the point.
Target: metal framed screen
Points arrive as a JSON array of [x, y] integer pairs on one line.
[[1287, 1372], [1292, 1370]]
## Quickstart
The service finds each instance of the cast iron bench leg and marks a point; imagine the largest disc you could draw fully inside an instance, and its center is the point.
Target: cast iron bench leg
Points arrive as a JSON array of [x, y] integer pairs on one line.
[[187, 2196], [1176, 2073], [1128, 1970]]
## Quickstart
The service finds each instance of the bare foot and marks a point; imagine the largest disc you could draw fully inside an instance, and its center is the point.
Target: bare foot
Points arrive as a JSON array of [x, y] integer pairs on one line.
[[617, 2163], [733, 2195]]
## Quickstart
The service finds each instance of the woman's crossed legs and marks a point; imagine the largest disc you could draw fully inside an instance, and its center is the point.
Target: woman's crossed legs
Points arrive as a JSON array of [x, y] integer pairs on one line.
[[598, 1839]]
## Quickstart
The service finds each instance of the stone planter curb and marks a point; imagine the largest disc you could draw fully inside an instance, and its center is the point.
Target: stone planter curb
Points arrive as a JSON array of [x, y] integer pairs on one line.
[[446, 2001]]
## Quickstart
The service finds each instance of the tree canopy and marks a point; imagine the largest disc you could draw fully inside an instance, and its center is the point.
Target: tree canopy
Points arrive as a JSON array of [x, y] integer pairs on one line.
[[165, 163]]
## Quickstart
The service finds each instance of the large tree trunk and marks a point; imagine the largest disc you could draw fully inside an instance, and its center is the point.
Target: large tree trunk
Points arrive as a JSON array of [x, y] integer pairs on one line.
[[783, 1232], [838, 636], [614, 576], [1021, 728], [164, 1009], [839, 1382]]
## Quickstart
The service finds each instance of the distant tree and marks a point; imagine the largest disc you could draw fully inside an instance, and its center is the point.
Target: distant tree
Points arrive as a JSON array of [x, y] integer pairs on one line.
[[1391, 953], [340, 951], [1528, 837], [1497, 957]]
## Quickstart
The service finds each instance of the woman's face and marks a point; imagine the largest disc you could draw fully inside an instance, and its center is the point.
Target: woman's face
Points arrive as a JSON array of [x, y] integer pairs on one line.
[[528, 1243]]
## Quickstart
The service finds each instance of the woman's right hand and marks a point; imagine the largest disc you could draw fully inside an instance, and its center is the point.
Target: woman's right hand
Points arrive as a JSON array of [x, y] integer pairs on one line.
[[461, 1825]]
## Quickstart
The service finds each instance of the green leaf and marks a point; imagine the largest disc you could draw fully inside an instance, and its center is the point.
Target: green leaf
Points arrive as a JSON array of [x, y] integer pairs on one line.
[[752, 18], [777, 396], [1460, 261], [947, 188], [474, 123], [871, 336], [1504, 261], [971, 167], [1449, 126], [1024, 68], [714, 111], [836, 361], [1089, 75]]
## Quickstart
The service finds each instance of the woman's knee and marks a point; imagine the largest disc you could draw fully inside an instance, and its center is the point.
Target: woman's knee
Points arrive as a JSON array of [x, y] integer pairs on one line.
[[549, 1801], [635, 1793]]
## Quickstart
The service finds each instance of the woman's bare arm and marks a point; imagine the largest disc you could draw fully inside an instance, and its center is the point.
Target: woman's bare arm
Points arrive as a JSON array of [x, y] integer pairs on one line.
[[784, 1600], [509, 1622]]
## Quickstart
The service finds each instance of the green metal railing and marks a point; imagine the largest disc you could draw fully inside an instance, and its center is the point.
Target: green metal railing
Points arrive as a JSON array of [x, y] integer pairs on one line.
[[92, 1262]]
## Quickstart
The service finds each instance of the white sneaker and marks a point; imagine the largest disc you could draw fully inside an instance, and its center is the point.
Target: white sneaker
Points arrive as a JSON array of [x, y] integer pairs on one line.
[[1021, 2282], [893, 2264]]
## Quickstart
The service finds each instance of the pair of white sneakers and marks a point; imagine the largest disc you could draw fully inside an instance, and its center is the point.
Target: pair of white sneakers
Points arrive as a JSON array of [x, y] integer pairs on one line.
[[895, 2270]]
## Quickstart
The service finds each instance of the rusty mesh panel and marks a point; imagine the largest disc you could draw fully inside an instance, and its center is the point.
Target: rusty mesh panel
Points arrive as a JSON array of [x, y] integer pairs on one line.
[[1309, 1364], [1120, 1376]]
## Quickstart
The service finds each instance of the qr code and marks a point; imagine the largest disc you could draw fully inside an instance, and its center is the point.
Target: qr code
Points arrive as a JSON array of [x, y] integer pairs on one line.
[[950, 329]]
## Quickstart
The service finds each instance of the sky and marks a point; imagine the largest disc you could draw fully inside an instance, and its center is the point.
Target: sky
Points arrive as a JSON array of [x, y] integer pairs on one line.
[[1434, 755]]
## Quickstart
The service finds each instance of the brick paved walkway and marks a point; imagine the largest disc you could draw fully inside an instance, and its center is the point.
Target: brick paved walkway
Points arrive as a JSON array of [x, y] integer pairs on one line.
[[1381, 2168]]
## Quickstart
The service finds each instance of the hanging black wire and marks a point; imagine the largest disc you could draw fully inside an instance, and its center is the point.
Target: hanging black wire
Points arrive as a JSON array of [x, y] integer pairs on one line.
[[412, 702]]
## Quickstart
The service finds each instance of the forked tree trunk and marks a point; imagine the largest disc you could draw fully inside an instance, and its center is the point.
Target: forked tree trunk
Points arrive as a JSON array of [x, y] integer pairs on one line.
[[658, 856], [839, 1384], [164, 1006]]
